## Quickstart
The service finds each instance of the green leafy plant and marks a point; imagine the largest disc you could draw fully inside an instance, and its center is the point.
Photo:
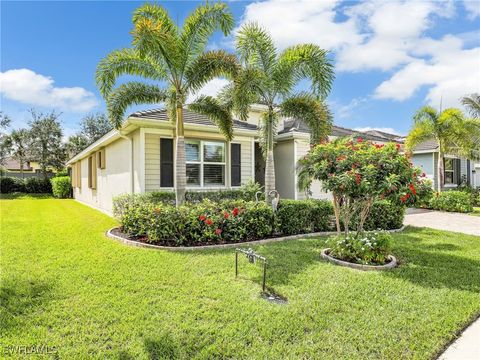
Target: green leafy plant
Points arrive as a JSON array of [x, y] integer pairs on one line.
[[369, 247], [35, 185], [457, 201], [303, 216], [61, 186], [11, 185]]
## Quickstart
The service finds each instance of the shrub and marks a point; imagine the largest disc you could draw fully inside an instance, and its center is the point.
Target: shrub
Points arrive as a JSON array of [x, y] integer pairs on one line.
[[384, 215], [322, 215], [474, 193], [35, 185], [370, 247], [11, 184], [63, 172], [303, 216], [61, 187], [424, 194], [202, 223], [457, 201]]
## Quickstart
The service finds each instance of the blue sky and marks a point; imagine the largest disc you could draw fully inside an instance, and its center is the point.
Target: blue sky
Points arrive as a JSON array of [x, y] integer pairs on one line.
[[390, 57]]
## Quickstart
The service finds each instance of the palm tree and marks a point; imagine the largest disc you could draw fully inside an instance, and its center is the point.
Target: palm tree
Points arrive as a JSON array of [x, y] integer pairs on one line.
[[454, 134], [472, 103], [174, 59], [18, 140], [269, 78]]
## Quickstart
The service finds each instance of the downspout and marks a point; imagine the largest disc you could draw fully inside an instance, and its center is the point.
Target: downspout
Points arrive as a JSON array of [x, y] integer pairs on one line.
[[130, 139]]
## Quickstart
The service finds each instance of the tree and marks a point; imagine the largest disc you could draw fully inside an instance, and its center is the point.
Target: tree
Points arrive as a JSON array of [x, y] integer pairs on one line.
[[174, 59], [358, 173], [94, 126], [472, 103], [75, 144], [454, 134], [270, 79], [46, 141], [19, 145], [4, 138]]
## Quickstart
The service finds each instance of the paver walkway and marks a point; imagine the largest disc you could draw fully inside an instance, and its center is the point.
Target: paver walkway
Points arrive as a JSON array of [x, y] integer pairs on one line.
[[463, 223], [467, 346]]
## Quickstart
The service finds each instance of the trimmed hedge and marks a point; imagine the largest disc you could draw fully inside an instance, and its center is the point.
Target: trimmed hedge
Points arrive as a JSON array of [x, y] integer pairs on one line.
[[304, 216], [30, 185], [61, 186], [385, 215], [457, 201]]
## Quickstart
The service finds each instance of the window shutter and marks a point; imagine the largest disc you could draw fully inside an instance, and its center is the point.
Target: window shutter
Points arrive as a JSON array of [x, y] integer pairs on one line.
[[92, 172], [458, 170], [235, 164], [166, 163], [101, 158], [73, 175], [79, 174]]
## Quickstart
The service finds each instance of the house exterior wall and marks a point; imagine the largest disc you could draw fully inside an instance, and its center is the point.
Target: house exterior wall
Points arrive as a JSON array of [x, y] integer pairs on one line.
[[114, 180], [284, 156]]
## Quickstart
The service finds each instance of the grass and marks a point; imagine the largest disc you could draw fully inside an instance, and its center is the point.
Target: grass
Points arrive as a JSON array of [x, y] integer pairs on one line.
[[476, 211], [64, 284]]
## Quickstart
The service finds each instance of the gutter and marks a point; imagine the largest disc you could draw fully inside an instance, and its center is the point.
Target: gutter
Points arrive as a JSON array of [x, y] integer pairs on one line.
[[130, 140]]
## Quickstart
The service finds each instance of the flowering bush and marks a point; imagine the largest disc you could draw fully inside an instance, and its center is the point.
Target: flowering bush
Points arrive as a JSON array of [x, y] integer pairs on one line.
[[370, 247], [358, 173]]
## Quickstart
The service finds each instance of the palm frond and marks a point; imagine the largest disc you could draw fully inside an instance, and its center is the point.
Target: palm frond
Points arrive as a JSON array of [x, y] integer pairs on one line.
[[209, 65], [472, 104], [248, 88], [154, 34], [314, 113], [220, 114], [132, 93], [200, 25], [126, 62], [305, 61], [255, 47]]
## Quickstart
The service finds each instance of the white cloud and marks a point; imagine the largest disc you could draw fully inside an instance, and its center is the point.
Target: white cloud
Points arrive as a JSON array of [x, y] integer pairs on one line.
[[383, 129], [473, 8], [28, 87], [209, 89], [346, 111], [449, 72]]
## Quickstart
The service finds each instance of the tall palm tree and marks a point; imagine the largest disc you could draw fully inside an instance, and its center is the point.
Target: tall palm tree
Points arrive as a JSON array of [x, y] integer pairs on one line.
[[455, 135], [175, 62], [472, 103], [269, 78], [18, 146]]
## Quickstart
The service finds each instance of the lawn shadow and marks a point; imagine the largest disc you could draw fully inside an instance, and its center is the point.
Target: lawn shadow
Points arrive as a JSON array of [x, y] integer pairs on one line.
[[162, 347], [14, 196], [20, 297], [433, 266]]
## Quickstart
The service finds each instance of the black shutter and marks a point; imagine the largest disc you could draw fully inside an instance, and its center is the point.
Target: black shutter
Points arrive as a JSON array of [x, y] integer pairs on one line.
[[235, 164], [458, 171], [166, 163]]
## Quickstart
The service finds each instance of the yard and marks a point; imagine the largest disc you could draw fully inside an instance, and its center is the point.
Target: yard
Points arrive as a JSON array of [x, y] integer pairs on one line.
[[64, 284]]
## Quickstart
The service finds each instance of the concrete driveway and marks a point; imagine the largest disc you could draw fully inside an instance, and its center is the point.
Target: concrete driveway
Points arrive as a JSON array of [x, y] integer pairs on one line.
[[462, 223]]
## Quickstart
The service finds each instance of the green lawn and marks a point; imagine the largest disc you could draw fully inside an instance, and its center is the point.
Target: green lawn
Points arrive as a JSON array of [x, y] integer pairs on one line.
[[64, 284], [476, 211]]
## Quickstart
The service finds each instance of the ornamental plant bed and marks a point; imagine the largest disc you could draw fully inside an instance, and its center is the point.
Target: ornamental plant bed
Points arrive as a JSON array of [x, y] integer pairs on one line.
[[392, 262]]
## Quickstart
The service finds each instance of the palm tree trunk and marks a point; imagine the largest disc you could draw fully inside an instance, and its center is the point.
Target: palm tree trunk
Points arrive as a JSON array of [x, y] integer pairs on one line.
[[180, 159], [269, 164], [440, 171]]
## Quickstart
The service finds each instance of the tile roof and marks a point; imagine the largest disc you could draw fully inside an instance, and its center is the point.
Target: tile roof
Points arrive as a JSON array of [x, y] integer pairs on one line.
[[189, 117], [427, 145], [12, 164]]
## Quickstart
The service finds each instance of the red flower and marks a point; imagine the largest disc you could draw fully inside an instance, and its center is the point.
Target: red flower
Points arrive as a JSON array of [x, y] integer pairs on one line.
[[405, 197], [423, 175], [218, 231], [378, 146], [209, 222], [201, 217], [340, 158], [357, 178], [235, 211], [414, 174], [412, 189], [226, 215], [397, 146], [359, 140]]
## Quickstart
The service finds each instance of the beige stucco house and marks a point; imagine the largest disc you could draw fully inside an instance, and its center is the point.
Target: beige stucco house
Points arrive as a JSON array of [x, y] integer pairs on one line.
[[139, 157]]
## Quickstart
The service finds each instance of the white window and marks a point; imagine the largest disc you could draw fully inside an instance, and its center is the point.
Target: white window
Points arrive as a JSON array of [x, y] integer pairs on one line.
[[449, 171], [205, 163]]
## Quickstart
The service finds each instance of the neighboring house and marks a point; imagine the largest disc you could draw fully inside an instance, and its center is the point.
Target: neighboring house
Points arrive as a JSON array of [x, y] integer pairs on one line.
[[30, 169], [139, 157], [456, 170]]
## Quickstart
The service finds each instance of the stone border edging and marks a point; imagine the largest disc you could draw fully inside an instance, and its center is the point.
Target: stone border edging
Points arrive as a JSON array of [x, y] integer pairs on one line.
[[393, 263], [225, 246]]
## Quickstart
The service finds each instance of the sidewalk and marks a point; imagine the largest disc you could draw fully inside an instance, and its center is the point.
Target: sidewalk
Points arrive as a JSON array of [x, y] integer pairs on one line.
[[466, 347]]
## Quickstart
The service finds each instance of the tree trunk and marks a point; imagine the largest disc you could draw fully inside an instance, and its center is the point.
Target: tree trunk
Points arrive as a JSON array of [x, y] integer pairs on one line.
[[440, 176], [21, 168], [180, 160], [337, 212], [269, 163]]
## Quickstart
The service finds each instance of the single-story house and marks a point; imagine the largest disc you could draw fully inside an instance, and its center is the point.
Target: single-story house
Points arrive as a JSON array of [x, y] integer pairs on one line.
[[456, 170], [30, 169], [139, 157]]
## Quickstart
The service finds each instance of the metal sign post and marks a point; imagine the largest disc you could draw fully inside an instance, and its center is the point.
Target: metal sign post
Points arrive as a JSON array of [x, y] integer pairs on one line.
[[252, 258]]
